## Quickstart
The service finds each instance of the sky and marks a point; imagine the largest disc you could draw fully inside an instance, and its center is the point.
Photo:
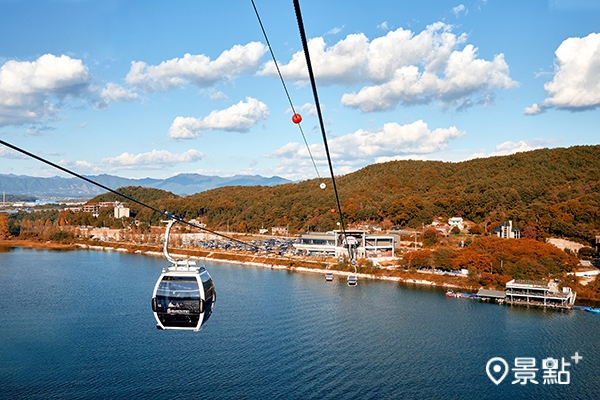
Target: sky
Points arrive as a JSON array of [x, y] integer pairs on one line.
[[154, 88]]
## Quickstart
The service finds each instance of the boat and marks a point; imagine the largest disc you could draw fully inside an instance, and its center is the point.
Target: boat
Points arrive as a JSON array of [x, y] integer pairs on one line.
[[329, 276], [450, 293]]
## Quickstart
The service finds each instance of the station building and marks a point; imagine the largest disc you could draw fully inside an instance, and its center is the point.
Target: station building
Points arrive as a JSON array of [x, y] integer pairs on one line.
[[331, 244]]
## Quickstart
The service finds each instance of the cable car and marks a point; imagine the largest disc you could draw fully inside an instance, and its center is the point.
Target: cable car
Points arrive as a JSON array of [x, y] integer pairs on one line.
[[184, 295], [352, 280]]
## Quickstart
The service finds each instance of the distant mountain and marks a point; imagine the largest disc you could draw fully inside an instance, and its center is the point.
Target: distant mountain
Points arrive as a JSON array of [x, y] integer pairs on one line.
[[182, 184]]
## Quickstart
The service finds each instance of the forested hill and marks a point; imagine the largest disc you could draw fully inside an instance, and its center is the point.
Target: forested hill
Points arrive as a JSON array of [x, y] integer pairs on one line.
[[544, 192]]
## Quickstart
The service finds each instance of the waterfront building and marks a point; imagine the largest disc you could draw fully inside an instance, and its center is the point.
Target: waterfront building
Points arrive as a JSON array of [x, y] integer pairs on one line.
[[317, 243], [523, 292], [331, 244]]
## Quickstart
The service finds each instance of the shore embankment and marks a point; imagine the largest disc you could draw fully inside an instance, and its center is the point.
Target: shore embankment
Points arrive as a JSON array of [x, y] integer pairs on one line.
[[302, 265]]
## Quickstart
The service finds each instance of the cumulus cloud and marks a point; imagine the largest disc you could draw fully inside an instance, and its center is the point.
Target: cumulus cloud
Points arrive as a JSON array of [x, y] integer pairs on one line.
[[535, 109], [197, 70], [401, 67], [240, 117], [32, 92], [79, 165], [340, 63], [576, 82], [153, 159], [464, 75], [218, 95], [305, 109], [6, 152], [116, 92], [391, 140], [510, 147]]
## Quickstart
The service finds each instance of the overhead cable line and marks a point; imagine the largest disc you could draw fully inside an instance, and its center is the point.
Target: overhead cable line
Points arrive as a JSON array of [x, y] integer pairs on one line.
[[313, 84], [165, 213], [287, 93]]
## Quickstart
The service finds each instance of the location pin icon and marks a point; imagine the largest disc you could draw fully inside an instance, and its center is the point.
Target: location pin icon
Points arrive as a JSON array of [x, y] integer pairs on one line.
[[497, 369]]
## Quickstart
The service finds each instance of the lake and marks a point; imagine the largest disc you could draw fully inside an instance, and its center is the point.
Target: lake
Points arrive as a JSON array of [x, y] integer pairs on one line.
[[79, 324]]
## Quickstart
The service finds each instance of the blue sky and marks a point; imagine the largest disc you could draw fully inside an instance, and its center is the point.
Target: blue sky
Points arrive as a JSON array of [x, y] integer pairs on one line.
[[153, 88]]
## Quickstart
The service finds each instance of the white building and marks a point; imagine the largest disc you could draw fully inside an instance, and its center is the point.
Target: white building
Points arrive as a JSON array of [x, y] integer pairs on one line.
[[456, 221], [507, 231], [279, 231], [522, 292], [121, 212], [332, 244]]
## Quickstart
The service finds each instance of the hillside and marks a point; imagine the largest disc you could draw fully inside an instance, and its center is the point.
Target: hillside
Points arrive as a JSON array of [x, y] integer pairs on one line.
[[548, 192], [544, 192]]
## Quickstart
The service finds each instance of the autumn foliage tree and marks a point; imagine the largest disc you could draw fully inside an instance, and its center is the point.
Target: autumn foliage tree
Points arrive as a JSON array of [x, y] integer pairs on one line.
[[4, 226]]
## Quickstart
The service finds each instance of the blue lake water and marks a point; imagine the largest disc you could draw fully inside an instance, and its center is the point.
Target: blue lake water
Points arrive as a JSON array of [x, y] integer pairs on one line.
[[79, 324]]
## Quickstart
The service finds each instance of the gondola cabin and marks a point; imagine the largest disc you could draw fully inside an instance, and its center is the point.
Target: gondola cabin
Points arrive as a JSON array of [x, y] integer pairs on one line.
[[184, 297], [352, 280]]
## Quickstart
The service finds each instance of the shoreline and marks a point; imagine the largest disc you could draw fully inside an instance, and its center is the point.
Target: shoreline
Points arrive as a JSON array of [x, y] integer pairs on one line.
[[126, 248], [385, 275]]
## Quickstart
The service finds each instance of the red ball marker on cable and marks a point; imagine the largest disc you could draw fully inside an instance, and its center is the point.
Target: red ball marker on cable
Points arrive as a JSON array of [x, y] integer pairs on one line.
[[296, 118]]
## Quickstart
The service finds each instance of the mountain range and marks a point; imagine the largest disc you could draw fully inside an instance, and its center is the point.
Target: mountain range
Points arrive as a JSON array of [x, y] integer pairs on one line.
[[182, 184]]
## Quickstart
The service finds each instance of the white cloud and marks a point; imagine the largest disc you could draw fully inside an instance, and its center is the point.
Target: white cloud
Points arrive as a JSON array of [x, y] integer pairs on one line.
[[153, 159], [392, 141], [196, 70], [535, 109], [335, 30], [463, 76], [79, 165], [115, 92], [218, 95], [385, 159], [576, 82], [383, 26], [6, 152], [401, 67], [458, 9], [305, 109], [37, 131], [510, 147], [339, 63], [32, 92], [240, 117]]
